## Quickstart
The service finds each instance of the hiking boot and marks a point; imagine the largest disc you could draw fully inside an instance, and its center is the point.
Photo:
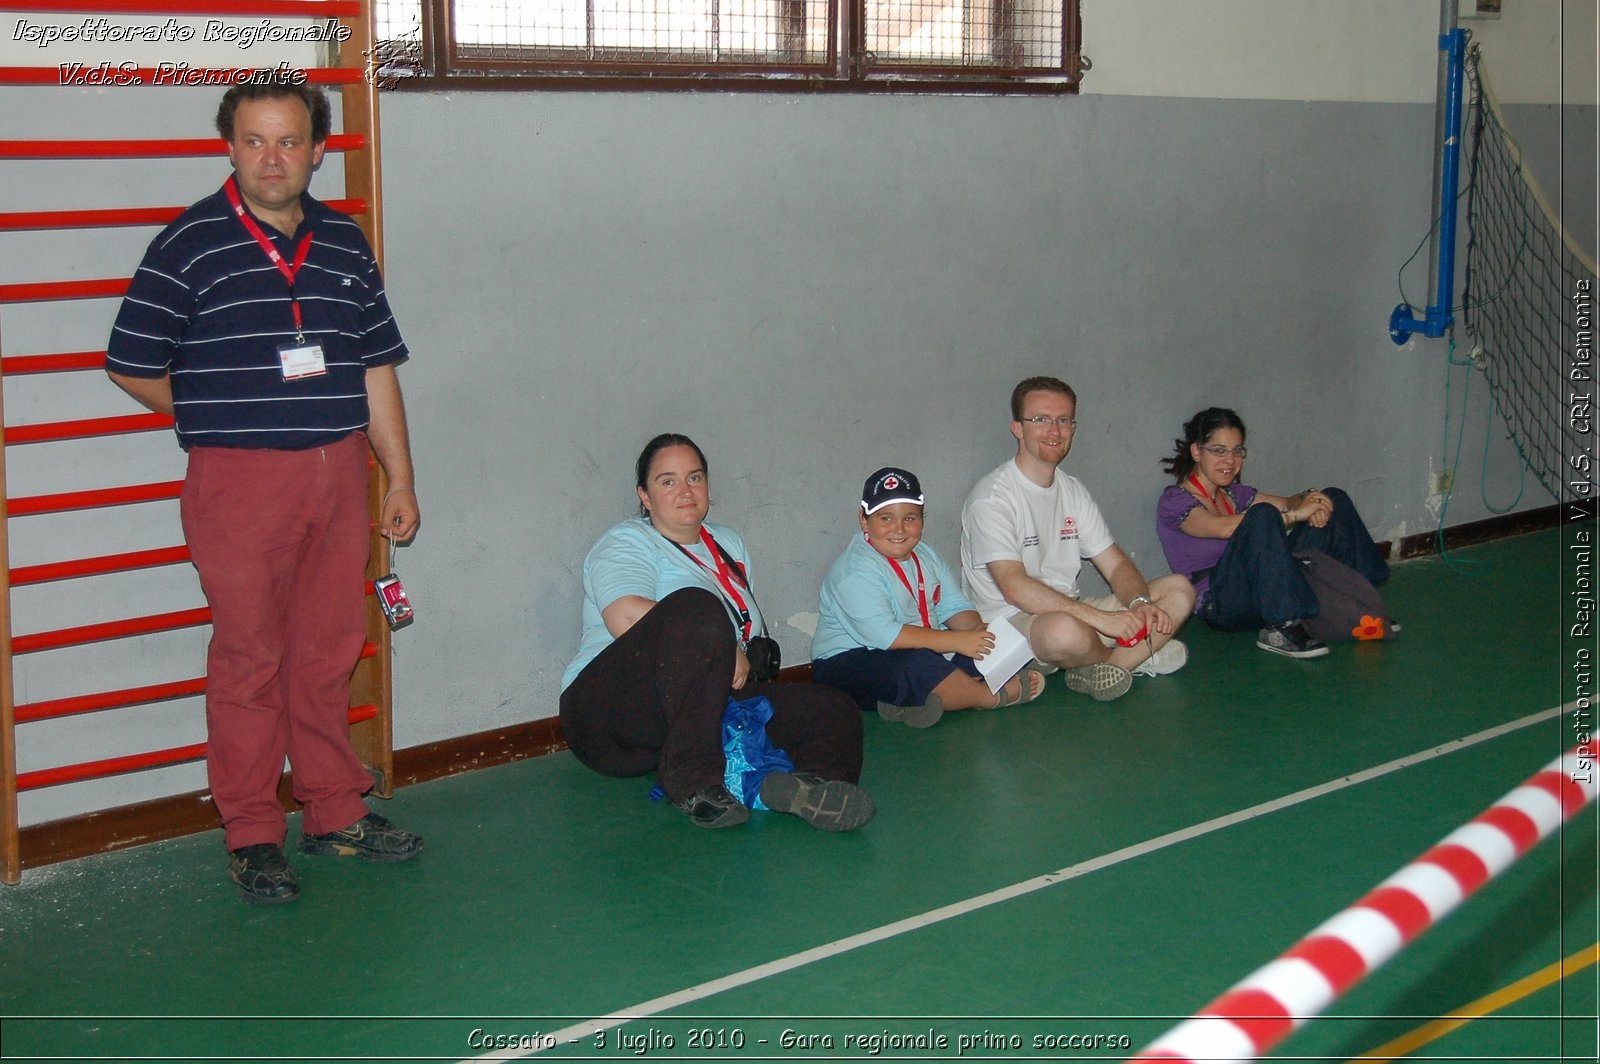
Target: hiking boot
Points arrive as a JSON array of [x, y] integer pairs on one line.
[[262, 874], [1170, 658], [831, 805], [714, 807], [1101, 681], [371, 838], [924, 716], [1291, 640]]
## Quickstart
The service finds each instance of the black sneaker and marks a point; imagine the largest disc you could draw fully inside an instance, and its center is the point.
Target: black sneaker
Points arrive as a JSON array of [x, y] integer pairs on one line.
[[371, 838], [714, 807], [832, 805], [262, 874], [1291, 640]]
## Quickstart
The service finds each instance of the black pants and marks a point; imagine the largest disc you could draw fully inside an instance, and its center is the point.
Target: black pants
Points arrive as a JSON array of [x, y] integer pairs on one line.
[[652, 701]]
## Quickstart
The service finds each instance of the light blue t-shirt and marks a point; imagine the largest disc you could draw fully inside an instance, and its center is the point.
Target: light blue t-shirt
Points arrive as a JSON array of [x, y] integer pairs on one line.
[[864, 604], [632, 558]]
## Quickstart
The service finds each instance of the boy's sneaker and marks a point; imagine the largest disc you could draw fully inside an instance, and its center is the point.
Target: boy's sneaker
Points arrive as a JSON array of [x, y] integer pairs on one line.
[[1101, 681], [1172, 656], [831, 805], [1291, 640], [714, 807], [371, 838], [262, 874]]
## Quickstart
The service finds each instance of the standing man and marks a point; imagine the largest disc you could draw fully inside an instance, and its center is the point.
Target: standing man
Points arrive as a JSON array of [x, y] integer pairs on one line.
[[1025, 531], [258, 320]]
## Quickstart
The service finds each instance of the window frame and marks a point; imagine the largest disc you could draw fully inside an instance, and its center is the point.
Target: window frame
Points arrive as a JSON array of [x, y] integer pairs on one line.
[[441, 65]]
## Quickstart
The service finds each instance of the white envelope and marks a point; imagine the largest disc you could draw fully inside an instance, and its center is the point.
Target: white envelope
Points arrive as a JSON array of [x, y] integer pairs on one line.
[[1011, 652]]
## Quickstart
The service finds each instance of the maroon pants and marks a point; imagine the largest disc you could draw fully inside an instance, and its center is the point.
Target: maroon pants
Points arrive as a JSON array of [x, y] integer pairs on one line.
[[281, 542]]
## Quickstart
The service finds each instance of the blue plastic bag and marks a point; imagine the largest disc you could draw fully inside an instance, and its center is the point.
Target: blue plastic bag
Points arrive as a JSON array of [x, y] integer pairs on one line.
[[750, 753]]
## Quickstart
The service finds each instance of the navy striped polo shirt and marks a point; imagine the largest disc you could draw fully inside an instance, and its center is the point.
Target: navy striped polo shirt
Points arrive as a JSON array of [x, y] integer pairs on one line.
[[208, 307]]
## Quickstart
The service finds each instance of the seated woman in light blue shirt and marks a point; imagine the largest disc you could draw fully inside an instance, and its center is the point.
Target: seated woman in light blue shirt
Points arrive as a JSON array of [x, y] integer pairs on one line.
[[668, 613], [894, 631]]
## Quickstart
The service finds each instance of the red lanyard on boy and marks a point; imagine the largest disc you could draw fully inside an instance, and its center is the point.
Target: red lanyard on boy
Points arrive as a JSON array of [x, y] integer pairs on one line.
[[725, 576], [919, 594], [284, 268], [1218, 500]]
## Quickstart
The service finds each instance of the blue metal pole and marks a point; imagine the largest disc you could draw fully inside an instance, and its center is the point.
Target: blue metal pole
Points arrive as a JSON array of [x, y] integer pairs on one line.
[[1438, 318]]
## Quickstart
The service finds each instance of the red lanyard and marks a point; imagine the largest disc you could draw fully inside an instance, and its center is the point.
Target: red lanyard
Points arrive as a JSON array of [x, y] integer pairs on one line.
[[284, 268], [919, 594], [725, 577], [1218, 500]]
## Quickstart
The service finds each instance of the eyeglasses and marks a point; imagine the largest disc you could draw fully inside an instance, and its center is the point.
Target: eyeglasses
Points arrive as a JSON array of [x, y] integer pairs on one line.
[[1216, 450], [1045, 420]]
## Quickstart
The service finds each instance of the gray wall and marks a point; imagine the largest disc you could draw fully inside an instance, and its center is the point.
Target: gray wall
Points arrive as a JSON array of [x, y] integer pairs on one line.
[[815, 286]]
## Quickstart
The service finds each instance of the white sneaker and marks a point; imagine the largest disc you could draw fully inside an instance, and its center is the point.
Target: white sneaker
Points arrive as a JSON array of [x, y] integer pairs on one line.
[[1170, 658]]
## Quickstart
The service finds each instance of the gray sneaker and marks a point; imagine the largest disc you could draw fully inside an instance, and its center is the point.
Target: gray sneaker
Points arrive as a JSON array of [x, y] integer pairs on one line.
[[1101, 681], [924, 716], [1291, 640], [831, 805]]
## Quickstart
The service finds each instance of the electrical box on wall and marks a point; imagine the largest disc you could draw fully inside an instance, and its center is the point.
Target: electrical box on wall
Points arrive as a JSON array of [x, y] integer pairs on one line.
[[1479, 9]]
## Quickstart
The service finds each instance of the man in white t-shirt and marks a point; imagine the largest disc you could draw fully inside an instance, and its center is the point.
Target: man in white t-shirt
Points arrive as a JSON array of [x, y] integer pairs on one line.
[[1026, 529]]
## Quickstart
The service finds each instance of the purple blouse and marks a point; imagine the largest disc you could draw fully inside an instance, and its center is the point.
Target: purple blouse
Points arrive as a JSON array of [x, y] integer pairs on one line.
[[1188, 554]]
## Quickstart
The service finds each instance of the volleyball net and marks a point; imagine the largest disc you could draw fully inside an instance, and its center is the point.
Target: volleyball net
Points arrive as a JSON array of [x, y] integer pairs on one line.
[[1527, 300]]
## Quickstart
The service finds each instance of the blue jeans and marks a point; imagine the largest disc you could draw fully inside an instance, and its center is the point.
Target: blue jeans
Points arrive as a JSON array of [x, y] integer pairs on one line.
[[1258, 582]]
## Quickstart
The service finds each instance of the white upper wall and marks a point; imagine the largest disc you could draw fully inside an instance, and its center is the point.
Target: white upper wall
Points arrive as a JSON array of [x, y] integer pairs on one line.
[[1385, 51]]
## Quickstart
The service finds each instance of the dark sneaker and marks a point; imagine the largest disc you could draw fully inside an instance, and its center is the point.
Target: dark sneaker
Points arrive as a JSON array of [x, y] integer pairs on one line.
[[714, 807], [262, 874], [1101, 681], [1291, 640], [371, 838], [832, 805], [924, 716]]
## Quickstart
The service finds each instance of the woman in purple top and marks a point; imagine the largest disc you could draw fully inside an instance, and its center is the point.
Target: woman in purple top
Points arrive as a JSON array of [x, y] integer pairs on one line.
[[1237, 544]]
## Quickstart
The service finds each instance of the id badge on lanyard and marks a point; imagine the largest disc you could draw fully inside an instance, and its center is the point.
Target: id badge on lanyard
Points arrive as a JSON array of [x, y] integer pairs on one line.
[[302, 358]]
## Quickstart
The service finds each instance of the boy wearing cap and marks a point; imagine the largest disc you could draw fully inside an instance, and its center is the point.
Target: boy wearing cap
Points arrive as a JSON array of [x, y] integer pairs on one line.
[[895, 631]]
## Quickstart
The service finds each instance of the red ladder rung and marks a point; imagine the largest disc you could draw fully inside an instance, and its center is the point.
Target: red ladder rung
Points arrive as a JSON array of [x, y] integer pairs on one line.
[[111, 766], [106, 563], [142, 149], [18, 365], [128, 696], [94, 633], [114, 766], [115, 216], [85, 500], [47, 291], [85, 428]]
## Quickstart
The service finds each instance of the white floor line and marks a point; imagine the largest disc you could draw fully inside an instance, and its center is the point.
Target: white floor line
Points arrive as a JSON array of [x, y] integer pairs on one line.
[[677, 998]]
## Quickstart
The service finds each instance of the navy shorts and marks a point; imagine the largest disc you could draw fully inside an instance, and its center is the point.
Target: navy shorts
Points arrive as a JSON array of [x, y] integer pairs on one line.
[[898, 677]]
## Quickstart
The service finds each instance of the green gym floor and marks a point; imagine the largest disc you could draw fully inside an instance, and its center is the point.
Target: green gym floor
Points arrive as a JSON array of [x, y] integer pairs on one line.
[[1028, 878]]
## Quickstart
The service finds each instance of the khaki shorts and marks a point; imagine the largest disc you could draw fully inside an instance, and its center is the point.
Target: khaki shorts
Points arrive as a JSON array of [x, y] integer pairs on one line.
[[1023, 622]]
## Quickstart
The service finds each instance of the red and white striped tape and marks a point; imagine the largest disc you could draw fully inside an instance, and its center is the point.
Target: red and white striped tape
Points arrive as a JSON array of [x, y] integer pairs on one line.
[[1262, 1009]]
